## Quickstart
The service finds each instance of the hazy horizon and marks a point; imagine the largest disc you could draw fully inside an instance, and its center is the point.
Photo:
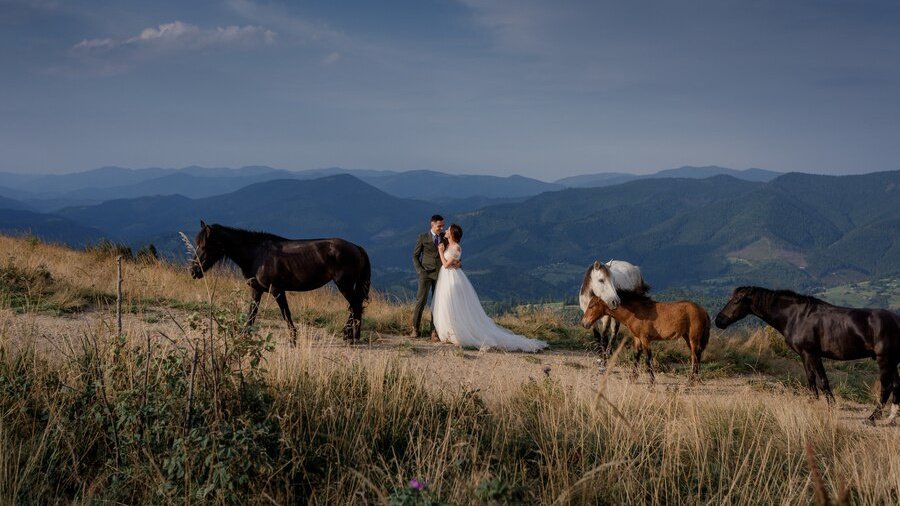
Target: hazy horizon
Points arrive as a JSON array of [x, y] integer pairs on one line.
[[547, 179], [458, 86]]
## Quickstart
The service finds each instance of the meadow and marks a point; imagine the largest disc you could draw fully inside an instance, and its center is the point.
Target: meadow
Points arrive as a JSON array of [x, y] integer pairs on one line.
[[183, 408]]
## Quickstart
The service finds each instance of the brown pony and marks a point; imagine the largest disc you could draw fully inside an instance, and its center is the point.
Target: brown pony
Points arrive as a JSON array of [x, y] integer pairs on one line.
[[649, 320]]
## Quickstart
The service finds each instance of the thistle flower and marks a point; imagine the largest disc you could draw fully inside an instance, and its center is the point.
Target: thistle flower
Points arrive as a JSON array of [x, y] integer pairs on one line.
[[415, 484], [547, 370]]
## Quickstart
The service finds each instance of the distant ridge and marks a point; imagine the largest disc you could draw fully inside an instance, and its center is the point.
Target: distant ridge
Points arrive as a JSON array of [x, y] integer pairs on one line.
[[334, 206], [52, 192], [612, 178], [47, 226], [8, 203], [799, 231]]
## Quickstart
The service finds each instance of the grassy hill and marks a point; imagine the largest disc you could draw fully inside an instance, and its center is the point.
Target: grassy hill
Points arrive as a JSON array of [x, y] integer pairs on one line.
[[184, 407]]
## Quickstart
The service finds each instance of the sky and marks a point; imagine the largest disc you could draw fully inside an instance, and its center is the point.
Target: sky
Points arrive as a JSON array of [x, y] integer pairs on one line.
[[545, 89]]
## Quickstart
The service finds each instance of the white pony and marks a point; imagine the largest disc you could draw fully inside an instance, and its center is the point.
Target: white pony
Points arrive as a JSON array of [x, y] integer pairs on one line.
[[604, 281]]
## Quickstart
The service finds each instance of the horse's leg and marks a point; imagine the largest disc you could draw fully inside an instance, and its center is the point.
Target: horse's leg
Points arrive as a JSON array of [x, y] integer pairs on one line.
[[823, 379], [895, 399], [638, 350], [357, 311], [696, 354], [281, 299], [611, 339], [351, 327], [887, 371], [600, 339], [810, 368], [254, 308], [649, 360]]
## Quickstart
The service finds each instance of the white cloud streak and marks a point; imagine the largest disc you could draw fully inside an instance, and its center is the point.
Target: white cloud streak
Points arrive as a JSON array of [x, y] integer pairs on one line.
[[178, 35]]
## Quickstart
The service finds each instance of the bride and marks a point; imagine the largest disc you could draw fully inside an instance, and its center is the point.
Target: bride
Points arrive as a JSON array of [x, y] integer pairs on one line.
[[457, 313]]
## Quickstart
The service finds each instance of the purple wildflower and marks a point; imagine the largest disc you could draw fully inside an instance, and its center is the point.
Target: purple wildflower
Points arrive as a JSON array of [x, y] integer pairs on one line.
[[547, 370], [416, 484]]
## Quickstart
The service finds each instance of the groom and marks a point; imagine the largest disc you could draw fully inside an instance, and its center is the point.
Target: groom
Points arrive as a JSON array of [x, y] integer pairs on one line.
[[427, 263]]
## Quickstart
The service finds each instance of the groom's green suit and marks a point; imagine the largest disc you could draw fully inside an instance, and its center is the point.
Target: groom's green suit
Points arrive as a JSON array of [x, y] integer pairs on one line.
[[427, 263]]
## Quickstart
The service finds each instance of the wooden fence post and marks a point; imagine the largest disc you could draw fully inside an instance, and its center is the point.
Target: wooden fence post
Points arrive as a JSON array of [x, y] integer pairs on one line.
[[119, 296]]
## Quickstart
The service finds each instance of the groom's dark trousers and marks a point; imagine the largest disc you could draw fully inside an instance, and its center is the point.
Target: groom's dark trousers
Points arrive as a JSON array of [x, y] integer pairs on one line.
[[427, 264]]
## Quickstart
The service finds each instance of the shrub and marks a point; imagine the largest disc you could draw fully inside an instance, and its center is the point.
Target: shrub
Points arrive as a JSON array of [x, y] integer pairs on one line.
[[107, 248], [147, 254]]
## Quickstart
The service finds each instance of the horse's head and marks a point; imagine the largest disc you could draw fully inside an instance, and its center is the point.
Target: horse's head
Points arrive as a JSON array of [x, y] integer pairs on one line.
[[209, 250], [602, 285], [738, 307], [596, 309]]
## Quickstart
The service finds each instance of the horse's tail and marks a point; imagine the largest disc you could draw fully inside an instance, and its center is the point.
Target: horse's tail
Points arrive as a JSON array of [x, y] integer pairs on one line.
[[704, 338], [364, 281]]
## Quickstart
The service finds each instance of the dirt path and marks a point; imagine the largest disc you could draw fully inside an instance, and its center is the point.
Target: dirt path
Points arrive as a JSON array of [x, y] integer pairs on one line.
[[445, 366]]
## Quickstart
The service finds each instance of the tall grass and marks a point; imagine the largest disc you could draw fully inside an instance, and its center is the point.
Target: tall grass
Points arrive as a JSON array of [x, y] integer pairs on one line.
[[209, 415], [138, 421]]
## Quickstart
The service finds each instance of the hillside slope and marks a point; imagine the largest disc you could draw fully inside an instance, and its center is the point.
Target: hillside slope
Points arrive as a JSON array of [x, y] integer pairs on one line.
[[797, 231]]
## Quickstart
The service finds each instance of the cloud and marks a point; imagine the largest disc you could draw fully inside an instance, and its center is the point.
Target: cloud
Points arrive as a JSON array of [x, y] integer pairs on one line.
[[331, 58], [40, 5], [178, 35], [517, 25], [281, 19], [88, 45]]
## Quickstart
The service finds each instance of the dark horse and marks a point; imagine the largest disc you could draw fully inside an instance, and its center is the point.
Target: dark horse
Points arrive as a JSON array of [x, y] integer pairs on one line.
[[277, 265], [814, 329]]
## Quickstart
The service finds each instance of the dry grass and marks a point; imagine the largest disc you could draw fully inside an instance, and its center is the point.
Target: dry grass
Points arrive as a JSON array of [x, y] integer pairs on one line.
[[83, 280], [98, 418]]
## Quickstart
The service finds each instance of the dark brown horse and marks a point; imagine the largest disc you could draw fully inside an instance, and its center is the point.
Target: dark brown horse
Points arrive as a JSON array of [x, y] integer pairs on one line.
[[277, 265], [814, 329], [649, 321]]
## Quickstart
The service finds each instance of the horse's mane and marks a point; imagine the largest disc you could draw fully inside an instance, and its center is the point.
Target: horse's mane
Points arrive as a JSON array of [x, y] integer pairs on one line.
[[770, 295], [585, 283], [630, 296], [251, 235]]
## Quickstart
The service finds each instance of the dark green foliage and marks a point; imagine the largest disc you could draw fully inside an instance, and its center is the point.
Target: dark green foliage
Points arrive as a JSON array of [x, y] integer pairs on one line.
[[198, 421], [693, 233], [147, 254]]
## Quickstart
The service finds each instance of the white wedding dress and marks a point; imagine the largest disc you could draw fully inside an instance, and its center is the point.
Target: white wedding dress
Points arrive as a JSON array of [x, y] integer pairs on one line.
[[459, 318]]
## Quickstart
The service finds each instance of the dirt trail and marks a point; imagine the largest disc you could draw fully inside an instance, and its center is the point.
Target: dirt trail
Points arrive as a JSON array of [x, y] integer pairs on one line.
[[445, 366]]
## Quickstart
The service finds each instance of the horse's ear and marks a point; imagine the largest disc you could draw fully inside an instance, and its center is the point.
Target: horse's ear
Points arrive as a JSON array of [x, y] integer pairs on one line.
[[596, 265], [202, 224]]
